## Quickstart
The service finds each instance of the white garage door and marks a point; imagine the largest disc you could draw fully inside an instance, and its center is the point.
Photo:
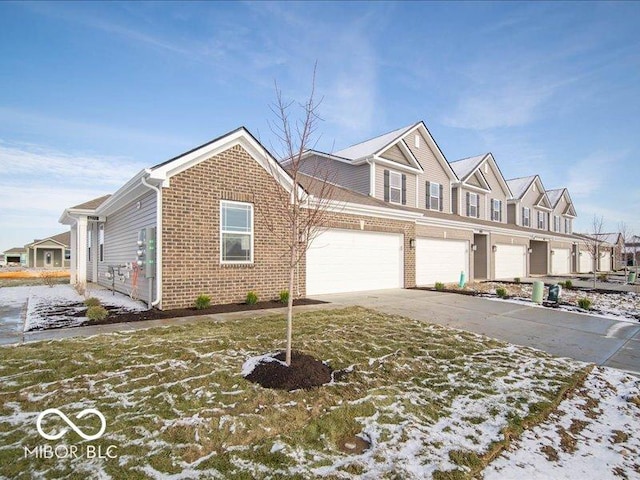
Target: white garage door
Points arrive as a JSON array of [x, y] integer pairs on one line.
[[441, 260], [510, 261], [586, 262], [560, 261], [352, 261], [605, 261]]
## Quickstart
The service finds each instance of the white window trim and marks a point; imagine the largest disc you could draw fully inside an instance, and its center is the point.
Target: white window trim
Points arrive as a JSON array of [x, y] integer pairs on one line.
[[540, 217], [89, 241], [495, 212], [526, 210], [417, 140], [101, 242], [399, 175], [556, 223], [437, 197], [235, 262], [477, 205]]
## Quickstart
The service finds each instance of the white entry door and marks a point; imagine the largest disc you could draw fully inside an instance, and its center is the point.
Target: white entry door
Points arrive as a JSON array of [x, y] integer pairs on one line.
[[560, 261], [441, 260], [351, 261], [510, 261]]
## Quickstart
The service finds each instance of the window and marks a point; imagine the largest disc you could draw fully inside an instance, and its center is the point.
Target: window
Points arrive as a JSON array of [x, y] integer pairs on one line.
[[395, 187], [417, 141], [541, 220], [472, 205], [526, 217], [496, 210], [89, 242], [67, 254], [434, 196], [556, 223], [101, 242], [567, 225], [236, 232]]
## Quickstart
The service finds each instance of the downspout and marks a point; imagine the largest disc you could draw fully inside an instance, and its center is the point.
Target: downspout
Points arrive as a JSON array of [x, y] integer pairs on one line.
[[158, 191]]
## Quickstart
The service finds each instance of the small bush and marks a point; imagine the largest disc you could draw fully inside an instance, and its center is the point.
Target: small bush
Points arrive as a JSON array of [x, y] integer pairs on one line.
[[92, 302], [603, 277], [252, 298], [501, 292], [517, 279], [584, 303], [48, 278], [568, 284], [284, 296], [439, 286], [203, 301], [97, 312]]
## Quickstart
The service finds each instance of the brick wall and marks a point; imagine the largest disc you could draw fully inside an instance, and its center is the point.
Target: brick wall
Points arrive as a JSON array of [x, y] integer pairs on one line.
[[191, 233]]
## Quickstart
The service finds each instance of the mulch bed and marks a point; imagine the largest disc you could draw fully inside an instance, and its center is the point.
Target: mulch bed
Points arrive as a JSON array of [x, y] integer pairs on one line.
[[305, 372], [117, 316]]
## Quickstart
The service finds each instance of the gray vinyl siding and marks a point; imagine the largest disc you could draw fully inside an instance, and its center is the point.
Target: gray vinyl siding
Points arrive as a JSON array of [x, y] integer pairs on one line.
[[395, 154], [511, 213], [529, 200], [559, 210], [411, 184], [482, 203], [120, 242], [497, 193], [434, 171], [349, 176]]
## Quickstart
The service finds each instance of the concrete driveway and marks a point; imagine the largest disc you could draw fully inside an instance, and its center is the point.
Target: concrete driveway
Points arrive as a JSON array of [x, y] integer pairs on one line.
[[584, 337]]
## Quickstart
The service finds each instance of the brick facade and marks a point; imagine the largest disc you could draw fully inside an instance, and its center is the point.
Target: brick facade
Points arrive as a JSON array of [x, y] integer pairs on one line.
[[191, 233]]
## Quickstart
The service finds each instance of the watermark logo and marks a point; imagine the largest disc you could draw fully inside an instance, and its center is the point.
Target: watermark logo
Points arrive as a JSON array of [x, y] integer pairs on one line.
[[61, 433]]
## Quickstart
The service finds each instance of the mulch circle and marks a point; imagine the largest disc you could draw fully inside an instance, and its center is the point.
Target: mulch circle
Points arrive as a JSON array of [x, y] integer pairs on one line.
[[305, 372]]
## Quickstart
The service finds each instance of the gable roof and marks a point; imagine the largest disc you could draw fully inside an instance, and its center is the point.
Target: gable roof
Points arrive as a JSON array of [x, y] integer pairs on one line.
[[519, 186], [466, 166], [92, 204], [555, 195], [373, 145], [15, 250], [61, 238]]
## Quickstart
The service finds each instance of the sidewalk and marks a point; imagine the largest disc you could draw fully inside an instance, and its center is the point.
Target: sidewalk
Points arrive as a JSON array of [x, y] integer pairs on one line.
[[611, 286]]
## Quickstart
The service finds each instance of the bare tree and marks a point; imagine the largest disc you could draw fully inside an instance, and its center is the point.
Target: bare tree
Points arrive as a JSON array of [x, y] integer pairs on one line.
[[304, 211], [621, 251], [593, 242]]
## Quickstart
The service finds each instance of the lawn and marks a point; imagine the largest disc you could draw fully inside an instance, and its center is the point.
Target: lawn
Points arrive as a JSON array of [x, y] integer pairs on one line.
[[433, 402]]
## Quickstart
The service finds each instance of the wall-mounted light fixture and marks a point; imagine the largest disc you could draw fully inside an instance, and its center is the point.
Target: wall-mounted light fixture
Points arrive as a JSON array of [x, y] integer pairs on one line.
[[494, 248], [412, 243], [530, 250], [474, 247], [553, 252]]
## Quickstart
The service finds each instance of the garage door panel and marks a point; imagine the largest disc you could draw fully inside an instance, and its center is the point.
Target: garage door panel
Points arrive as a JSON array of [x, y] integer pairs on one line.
[[586, 262], [351, 261], [560, 261], [605, 262], [510, 261], [441, 260]]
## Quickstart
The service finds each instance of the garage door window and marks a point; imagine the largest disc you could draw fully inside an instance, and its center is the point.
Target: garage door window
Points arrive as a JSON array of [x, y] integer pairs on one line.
[[236, 232]]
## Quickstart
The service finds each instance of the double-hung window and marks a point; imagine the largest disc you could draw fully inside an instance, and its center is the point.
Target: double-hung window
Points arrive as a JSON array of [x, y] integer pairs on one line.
[[526, 217], [236, 232], [556, 223], [395, 187], [496, 210], [567, 225], [434, 196], [541, 220], [472, 209], [89, 241], [101, 242]]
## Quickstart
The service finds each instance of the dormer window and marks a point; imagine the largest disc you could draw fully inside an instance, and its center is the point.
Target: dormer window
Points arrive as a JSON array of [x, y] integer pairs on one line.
[[526, 217], [567, 225], [496, 210], [556, 223], [541, 220], [434, 196], [395, 187], [472, 205]]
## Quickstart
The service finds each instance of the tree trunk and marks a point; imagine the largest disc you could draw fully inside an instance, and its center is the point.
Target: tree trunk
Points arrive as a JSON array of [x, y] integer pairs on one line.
[[292, 273]]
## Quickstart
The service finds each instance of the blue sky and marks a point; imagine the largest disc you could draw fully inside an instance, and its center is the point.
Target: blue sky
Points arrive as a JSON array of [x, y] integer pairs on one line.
[[90, 93]]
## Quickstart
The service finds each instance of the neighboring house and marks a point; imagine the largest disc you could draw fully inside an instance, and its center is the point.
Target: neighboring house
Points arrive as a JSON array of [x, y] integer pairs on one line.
[[607, 244], [197, 223], [632, 251], [50, 252], [15, 256], [2, 262]]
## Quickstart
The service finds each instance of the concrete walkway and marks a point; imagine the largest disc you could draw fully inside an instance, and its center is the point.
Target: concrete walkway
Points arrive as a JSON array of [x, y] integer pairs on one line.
[[583, 337]]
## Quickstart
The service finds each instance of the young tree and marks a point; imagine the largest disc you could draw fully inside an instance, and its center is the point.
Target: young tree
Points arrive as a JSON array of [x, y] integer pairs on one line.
[[593, 242], [305, 210], [621, 251]]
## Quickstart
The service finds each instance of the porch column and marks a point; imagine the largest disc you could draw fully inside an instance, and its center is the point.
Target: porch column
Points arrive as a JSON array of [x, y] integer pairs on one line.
[[74, 254], [35, 257], [81, 252]]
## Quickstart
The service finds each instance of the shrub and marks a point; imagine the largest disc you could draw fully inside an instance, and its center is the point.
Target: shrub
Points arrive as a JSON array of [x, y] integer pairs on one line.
[[501, 292], [568, 284], [48, 278], [603, 277], [517, 279], [584, 303], [92, 302], [284, 296], [97, 312], [203, 301], [439, 286], [252, 298]]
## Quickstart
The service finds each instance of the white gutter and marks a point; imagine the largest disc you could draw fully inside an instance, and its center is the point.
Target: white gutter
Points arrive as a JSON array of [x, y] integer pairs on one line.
[[158, 191]]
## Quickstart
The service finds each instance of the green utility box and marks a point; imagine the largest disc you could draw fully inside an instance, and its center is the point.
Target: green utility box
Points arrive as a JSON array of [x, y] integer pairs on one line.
[[632, 277], [538, 292], [554, 293]]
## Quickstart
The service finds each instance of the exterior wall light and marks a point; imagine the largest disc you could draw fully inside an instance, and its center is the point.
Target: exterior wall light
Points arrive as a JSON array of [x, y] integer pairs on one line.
[[494, 248], [474, 247], [412, 243], [530, 250]]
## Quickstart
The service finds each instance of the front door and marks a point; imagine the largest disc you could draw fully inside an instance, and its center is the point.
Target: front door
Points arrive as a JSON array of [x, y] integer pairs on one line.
[[48, 258]]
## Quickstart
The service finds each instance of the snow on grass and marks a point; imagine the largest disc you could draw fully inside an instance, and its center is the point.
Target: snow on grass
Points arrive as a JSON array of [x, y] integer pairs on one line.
[[593, 434], [253, 362], [432, 401], [61, 306]]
